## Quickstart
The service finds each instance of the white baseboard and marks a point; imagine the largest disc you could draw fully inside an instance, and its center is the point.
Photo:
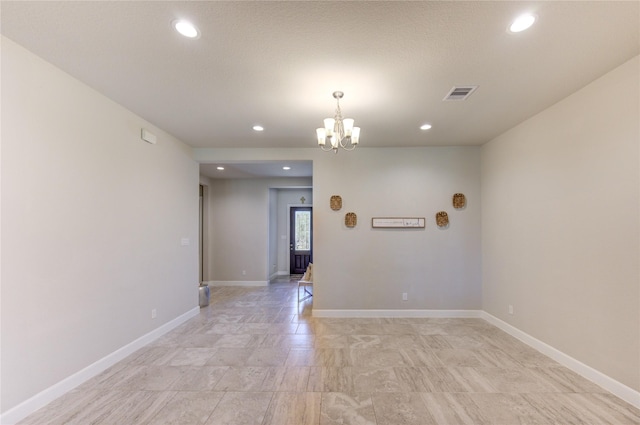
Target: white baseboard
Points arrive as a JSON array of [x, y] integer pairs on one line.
[[238, 283], [46, 396], [618, 389], [276, 274], [396, 313]]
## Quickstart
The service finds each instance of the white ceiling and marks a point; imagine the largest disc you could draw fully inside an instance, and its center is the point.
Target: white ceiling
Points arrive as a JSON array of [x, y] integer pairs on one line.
[[277, 63], [257, 169]]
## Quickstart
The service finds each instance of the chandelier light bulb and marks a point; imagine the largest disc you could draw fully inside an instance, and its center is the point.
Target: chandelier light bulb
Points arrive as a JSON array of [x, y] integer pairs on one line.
[[355, 137], [348, 126], [329, 126], [322, 136]]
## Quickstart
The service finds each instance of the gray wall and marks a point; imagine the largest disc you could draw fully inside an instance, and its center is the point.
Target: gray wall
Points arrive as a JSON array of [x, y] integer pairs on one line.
[[364, 268], [560, 225], [273, 233], [368, 269], [92, 223], [239, 229]]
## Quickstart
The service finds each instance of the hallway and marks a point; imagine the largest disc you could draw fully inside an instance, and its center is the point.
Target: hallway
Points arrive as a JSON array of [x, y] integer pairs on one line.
[[253, 356]]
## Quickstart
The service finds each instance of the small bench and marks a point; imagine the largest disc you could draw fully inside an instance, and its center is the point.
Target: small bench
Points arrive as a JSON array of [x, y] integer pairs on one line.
[[306, 281]]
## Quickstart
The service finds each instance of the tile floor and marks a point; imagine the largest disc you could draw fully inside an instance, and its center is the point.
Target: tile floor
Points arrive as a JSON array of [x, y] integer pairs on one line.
[[255, 357]]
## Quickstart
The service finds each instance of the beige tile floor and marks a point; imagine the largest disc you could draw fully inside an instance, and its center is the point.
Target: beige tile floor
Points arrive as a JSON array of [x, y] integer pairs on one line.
[[255, 357]]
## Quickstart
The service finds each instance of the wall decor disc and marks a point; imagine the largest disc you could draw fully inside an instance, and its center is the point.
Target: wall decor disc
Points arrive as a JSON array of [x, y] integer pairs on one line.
[[335, 202], [442, 219], [459, 201], [350, 219]]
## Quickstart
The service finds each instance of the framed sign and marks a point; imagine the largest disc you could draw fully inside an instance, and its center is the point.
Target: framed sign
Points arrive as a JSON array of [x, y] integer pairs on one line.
[[397, 222]]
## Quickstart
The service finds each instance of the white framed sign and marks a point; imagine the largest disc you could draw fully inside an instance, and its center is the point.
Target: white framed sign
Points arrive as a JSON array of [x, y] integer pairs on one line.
[[397, 222]]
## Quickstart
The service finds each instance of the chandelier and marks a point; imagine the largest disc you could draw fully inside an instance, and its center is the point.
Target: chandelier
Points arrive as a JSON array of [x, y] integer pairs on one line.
[[339, 131]]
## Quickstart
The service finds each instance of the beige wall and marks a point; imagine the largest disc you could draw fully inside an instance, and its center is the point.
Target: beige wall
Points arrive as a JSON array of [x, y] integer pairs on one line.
[[560, 243], [92, 222]]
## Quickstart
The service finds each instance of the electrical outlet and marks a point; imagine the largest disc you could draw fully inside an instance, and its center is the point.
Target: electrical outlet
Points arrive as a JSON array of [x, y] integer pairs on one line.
[[154, 313], [510, 309], [244, 272], [404, 296]]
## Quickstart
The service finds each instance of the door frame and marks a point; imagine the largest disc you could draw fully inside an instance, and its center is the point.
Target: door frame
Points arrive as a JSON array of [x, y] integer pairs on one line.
[[289, 206], [203, 233]]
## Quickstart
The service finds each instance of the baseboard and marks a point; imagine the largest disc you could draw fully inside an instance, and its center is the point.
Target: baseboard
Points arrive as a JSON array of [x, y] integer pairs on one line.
[[46, 396], [618, 389], [396, 313], [238, 283]]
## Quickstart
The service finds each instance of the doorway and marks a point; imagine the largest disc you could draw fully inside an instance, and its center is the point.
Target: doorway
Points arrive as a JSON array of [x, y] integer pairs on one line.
[[300, 239]]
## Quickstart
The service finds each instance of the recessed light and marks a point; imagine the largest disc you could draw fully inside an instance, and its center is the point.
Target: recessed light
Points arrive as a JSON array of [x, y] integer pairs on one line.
[[425, 126], [186, 28], [286, 168], [258, 128], [220, 168], [522, 22]]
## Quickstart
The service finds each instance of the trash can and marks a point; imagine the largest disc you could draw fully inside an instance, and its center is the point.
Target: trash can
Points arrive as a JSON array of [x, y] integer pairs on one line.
[[203, 291]]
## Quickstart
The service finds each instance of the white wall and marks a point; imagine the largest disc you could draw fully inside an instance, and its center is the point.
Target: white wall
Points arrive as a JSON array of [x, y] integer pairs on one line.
[[560, 225], [368, 269], [92, 222], [239, 228]]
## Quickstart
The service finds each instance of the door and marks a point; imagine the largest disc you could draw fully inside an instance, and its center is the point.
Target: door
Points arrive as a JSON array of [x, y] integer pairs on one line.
[[300, 239]]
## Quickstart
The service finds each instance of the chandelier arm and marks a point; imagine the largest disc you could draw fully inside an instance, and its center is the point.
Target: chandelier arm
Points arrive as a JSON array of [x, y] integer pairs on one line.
[[345, 145], [329, 149]]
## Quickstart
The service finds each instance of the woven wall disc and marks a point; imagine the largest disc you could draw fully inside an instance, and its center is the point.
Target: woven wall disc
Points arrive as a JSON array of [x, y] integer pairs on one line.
[[459, 201], [336, 202], [350, 219], [442, 219]]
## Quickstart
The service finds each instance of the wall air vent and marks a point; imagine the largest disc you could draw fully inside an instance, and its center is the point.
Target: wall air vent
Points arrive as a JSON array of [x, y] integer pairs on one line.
[[460, 92]]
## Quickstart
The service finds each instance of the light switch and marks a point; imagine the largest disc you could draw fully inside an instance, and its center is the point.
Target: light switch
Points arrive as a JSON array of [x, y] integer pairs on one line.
[[184, 241]]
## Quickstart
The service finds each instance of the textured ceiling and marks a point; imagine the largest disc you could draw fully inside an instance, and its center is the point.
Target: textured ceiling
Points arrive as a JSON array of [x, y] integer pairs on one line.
[[277, 63]]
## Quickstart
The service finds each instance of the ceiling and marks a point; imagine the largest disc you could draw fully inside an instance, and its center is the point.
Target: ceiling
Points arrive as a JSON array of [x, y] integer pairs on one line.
[[277, 63], [257, 169]]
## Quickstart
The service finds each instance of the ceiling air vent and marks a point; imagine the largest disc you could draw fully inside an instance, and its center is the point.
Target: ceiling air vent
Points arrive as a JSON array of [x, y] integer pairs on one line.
[[460, 92]]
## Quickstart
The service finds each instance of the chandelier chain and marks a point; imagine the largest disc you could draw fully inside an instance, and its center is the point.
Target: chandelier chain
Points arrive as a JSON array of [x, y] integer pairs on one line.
[[339, 126]]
